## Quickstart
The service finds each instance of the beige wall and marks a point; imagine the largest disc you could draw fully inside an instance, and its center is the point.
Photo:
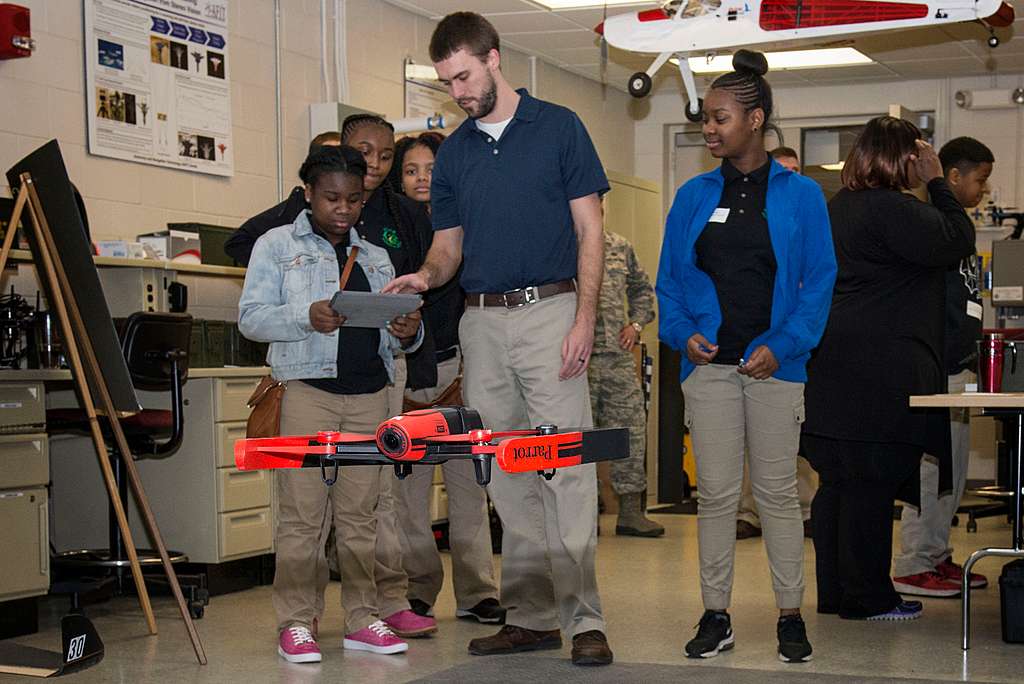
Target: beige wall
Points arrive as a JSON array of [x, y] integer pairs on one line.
[[42, 97], [1000, 129]]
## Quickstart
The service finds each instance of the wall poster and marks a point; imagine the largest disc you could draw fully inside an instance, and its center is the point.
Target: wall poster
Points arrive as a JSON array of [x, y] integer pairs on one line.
[[157, 83]]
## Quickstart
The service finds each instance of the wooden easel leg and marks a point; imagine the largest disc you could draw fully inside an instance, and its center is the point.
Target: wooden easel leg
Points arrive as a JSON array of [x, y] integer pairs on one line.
[[75, 335], [12, 226]]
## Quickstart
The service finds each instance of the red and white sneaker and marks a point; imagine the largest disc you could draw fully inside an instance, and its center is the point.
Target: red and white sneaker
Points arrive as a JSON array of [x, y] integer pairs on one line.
[[955, 573], [926, 584], [408, 624], [377, 638], [297, 645]]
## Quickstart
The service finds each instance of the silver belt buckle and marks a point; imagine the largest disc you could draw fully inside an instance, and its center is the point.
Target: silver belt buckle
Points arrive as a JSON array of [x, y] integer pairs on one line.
[[529, 297]]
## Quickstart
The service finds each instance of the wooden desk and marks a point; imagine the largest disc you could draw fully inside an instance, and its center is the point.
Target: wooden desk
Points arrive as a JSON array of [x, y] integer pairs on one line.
[[1009, 406]]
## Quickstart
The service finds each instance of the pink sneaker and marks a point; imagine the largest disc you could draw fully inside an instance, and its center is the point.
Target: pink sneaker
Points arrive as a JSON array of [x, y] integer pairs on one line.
[[297, 645], [376, 638], [408, 624]]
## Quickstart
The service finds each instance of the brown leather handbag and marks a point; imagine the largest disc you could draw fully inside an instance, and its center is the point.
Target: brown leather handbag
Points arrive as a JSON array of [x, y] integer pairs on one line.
[[265, 402], [451, 396]]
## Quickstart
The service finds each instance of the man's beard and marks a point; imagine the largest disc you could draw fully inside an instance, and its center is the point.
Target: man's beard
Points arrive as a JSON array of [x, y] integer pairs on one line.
[[485, 103]]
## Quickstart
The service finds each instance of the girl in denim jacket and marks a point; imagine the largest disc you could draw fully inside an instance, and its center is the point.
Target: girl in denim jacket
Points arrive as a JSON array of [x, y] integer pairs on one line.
[[337, 378]]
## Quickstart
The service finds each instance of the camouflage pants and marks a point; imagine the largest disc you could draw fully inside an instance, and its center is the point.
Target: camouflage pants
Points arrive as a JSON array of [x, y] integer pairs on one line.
[[617, 401]]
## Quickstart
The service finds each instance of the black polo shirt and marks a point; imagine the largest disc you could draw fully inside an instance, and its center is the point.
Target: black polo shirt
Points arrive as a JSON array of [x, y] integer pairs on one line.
[[377, 225], [735, 250], [360, 368], [511, 196]]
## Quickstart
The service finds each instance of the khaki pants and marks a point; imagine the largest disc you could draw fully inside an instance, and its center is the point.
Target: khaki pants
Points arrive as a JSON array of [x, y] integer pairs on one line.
[[924, 533], [729, 414], [307, 508], [511, 363], [469, 531], [806, 485], [392, 582]]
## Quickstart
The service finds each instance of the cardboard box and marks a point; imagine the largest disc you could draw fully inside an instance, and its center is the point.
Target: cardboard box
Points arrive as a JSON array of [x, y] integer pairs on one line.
[[174, 245]]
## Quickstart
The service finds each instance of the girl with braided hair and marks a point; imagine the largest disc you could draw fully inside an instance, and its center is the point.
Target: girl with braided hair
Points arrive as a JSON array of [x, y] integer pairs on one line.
[[744, 288], [398, 224]]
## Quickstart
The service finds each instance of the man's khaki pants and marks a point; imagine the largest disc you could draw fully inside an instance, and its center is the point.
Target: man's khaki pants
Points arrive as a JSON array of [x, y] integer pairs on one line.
[[511, 362], [307, 507], [469, 531], [729, 414]]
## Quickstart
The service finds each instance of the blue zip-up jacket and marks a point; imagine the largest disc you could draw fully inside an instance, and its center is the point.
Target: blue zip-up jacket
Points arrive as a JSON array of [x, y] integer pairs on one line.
[[292, 267], [801, 239]]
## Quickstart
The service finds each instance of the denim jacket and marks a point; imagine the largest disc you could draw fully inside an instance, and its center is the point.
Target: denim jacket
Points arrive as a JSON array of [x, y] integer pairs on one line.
[[292, 267]]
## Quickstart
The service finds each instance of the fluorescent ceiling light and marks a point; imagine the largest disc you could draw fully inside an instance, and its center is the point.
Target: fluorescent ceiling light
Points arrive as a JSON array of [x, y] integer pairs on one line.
[[577, 4], [838, 166], [785, 60]]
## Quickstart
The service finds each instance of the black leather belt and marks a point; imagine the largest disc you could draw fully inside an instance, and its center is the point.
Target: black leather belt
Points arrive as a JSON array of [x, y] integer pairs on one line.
[[513, 299], [447, 354]]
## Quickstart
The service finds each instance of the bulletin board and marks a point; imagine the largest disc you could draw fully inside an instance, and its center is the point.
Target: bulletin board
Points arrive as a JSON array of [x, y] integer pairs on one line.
[[158, 88]]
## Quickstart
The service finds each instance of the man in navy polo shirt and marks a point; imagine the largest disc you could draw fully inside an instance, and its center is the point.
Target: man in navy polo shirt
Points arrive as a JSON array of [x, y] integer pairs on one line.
[[516, 193]]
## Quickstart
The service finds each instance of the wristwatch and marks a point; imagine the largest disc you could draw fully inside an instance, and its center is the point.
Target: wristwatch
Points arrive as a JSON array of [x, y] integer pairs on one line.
[[636, 326]]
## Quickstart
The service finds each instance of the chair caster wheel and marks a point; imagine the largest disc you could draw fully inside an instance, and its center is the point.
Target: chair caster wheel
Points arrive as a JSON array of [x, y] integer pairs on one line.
[[972, 526], [196, 609]]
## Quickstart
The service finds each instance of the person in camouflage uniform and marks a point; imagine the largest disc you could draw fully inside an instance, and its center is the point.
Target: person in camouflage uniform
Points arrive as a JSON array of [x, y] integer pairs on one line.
[[615, 393]]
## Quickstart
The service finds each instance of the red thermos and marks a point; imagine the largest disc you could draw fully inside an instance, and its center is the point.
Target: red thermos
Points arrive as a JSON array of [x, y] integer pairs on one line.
[[990, 362]]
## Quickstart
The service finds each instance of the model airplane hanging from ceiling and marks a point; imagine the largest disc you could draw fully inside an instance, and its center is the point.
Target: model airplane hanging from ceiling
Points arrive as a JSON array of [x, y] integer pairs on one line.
[[681, 28]]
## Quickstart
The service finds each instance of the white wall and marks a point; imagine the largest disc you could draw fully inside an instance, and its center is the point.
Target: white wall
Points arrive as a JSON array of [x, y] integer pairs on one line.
[[42, 97], [1000, 129]]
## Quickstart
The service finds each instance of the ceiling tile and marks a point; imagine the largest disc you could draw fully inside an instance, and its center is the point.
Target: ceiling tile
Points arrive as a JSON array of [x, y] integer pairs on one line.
[[529, 22], [439, 8], [576, 38]]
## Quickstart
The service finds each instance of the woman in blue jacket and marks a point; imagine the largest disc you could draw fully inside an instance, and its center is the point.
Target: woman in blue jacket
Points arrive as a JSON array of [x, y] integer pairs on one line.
[[744, 287]]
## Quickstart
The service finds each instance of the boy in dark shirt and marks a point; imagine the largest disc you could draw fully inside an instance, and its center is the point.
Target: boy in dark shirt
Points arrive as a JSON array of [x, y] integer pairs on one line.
[[925, 567]]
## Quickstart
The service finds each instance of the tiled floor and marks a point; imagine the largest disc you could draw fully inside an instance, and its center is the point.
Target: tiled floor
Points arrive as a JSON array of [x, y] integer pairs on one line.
[[651, 600]]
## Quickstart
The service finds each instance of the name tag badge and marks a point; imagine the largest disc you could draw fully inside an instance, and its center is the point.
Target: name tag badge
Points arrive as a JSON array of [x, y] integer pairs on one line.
[[719, 215], [974, 309]]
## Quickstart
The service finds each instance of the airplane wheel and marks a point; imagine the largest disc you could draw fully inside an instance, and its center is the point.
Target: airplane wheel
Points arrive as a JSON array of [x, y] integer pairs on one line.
[[639, 84], [690, 116], [993, 41]]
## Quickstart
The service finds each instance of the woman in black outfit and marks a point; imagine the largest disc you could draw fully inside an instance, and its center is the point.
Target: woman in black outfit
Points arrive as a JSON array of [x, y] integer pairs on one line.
[[883, 343]]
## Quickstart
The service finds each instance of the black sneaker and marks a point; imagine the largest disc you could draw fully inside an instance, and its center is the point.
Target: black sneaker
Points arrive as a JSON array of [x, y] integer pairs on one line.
[[793, 644], [421, 608], [488, 611], [714, 634]]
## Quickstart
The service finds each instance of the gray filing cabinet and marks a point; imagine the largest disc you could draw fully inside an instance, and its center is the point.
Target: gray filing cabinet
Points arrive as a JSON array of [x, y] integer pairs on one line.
[[205, 507], [24, 474]]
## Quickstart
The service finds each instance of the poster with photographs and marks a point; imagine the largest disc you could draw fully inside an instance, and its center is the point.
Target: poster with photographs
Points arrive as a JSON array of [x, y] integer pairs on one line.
[[158, 83]]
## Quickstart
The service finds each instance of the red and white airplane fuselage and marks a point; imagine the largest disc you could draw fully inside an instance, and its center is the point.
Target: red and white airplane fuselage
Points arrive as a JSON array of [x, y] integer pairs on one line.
[[701, 27]]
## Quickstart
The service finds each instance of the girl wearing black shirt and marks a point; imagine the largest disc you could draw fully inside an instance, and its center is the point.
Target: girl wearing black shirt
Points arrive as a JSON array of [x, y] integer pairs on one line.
[[884, 342], [743, 290]]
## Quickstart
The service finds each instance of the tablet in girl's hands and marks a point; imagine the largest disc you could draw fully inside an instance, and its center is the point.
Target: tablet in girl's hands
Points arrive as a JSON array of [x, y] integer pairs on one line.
[[373, 309]]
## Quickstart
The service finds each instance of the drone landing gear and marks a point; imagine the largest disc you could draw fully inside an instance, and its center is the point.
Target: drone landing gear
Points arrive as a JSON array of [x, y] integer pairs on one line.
[[403, 470], [482, 470]]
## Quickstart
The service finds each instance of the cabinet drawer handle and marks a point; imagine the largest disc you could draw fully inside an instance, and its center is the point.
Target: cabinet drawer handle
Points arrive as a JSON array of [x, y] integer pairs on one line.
[[252, 517], [246, 474], [44, 541]]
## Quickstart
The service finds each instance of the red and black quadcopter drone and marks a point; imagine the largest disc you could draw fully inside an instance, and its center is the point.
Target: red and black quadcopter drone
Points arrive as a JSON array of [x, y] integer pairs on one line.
[[432, 436]]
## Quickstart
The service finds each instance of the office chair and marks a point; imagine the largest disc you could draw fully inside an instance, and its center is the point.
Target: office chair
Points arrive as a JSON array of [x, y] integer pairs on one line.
[[155, 347]]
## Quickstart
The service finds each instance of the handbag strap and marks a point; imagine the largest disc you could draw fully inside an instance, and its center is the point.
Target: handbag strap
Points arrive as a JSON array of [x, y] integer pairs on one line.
[[349, 263]]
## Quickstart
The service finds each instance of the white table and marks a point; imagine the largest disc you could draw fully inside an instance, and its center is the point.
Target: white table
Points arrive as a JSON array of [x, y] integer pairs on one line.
[[1005, 405]]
